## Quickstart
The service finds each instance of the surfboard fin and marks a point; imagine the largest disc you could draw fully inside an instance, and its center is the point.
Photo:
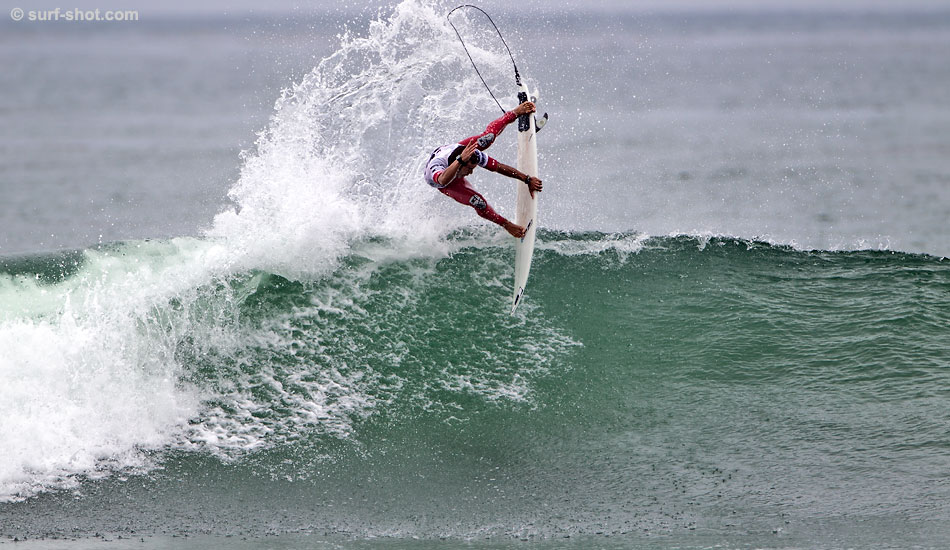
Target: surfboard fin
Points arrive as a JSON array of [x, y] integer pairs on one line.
[[517, 300], [526, 229], [540, 122]]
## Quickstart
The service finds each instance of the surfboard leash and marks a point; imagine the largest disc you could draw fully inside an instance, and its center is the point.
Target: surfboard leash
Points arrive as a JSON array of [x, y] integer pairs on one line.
[[513, 64]]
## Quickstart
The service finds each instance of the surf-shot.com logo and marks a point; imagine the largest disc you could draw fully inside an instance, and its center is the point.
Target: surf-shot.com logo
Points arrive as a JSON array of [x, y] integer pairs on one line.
[[76, 14]]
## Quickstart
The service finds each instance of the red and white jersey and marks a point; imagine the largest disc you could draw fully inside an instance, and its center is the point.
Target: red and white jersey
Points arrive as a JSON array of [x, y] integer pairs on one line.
[[439, 161]]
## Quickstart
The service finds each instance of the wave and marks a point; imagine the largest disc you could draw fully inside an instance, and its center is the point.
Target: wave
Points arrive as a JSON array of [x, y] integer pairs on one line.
[[233, 362]]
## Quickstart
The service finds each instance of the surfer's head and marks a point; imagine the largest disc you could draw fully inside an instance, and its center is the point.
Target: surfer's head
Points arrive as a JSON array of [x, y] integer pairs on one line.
[[466, 168]]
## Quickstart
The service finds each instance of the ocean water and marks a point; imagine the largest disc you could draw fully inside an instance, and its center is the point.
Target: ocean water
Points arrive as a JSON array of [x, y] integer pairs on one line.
[[233, 315]]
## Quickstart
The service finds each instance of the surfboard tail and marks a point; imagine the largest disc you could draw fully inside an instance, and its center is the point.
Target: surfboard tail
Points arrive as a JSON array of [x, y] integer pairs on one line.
[[518, 294]]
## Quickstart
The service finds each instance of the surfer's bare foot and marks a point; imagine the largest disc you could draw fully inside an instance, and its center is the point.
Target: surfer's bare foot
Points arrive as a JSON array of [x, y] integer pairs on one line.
[[516, 231]]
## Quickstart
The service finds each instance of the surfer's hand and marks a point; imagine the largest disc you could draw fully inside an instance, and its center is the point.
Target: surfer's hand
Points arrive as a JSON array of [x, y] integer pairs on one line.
[[515, 231], [525, 108], [466, 154], [534, 184]]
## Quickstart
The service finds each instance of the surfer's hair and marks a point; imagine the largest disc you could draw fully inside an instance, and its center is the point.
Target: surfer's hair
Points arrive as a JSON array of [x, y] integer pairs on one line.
[[456, 153]]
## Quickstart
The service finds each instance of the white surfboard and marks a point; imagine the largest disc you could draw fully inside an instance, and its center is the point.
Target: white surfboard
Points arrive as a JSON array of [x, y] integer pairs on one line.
[[527, 208]]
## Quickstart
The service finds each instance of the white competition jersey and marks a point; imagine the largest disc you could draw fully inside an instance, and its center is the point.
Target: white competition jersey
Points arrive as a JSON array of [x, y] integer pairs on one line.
[[439, 161]]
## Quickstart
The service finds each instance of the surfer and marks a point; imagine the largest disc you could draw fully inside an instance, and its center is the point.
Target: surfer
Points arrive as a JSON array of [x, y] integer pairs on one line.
[[449, 164]]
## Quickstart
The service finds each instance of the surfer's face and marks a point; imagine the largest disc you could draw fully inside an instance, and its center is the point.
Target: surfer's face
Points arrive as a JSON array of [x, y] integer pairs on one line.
[[465, 170]]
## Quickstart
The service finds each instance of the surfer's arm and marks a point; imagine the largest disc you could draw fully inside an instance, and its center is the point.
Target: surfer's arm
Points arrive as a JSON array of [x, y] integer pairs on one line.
[[533, 183], [455, 166], [447, 175]]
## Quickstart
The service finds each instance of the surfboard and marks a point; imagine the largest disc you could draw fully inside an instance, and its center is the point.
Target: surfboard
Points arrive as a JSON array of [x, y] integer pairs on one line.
[[527, 206]]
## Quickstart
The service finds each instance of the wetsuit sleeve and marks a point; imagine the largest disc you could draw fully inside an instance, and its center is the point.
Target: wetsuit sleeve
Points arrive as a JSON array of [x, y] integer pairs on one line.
[[487, 162]]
